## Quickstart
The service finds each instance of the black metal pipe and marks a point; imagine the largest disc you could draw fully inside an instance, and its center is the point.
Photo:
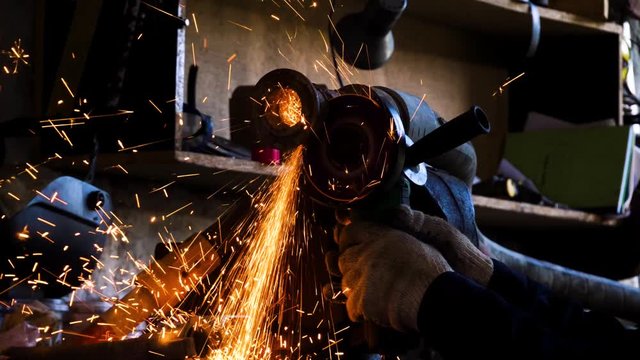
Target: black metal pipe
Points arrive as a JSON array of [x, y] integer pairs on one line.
[[452, 134], [380, 16]]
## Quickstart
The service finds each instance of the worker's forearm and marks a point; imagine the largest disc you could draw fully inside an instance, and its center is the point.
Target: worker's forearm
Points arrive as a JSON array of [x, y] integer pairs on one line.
[[462, 320], [558, 313]]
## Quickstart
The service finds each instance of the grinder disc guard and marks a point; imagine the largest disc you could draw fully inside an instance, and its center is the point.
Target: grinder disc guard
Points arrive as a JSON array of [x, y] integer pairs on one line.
[[358, 147]]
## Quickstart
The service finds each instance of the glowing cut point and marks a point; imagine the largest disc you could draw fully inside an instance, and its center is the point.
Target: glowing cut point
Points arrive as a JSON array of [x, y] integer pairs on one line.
[[285, 108]]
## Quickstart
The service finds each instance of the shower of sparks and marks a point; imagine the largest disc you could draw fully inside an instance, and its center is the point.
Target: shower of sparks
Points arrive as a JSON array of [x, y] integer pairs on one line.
[[502, 87], [17, 55], [258, 281], [246, 297]]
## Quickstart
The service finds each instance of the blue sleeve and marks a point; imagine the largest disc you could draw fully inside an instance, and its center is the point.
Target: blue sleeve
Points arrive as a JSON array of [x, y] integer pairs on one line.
[[556, 312], [463, 320]]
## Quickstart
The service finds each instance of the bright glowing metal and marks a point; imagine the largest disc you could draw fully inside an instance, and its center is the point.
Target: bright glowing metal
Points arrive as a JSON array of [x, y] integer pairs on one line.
[[284, 108]]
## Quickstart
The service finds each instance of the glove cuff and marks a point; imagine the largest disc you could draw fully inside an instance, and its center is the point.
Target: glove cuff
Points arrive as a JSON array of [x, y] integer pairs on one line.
[[475, 264], [404, 305]]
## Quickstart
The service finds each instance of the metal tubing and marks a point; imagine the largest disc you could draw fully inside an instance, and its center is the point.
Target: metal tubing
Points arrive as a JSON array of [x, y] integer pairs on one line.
[[594, 292], [448, 136]]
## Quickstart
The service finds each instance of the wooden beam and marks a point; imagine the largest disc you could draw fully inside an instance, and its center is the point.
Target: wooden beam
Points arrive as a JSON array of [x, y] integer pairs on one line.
[[594, 9]]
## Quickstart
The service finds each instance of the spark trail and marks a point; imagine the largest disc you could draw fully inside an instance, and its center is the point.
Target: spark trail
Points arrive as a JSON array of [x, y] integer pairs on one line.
[[258, 280]]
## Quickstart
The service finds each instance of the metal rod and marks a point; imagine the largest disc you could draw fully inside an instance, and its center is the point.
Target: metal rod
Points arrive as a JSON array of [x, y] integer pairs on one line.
[[452, 134]]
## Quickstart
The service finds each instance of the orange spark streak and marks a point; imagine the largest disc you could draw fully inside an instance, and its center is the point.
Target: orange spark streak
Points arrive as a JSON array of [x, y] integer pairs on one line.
[[66, 138], [193, 54], [177, 210], [195, 22], [294, 10], [68, 88], [143, 145], [46, 222], [326, 44], [229, 79], [163, 11], [418, 107], [119, 113], [155, 106], [162, 187], [501, 88], [240, 25]]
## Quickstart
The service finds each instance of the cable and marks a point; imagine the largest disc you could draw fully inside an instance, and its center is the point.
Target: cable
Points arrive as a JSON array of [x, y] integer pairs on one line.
[[331, 43]]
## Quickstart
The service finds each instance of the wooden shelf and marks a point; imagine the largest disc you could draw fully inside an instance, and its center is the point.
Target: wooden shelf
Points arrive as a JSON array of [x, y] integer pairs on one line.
[[221, 163], [502, 17], [187, 168], [492, 212], [216, 172]]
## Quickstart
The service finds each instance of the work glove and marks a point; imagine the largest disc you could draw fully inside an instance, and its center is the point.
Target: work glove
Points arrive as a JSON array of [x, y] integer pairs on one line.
[[457, 249], [385, 273]]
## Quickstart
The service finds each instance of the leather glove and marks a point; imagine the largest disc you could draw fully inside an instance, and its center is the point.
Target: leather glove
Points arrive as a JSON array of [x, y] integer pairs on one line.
[[457, 249], [385, 273]]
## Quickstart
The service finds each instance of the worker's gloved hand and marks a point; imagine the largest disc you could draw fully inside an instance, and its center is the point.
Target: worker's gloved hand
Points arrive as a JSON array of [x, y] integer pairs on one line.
[[457, 249], [385, 273]]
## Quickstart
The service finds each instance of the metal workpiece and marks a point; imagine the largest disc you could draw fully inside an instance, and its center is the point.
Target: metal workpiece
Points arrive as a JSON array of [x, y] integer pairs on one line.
[[450, 135], [287, 103]]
